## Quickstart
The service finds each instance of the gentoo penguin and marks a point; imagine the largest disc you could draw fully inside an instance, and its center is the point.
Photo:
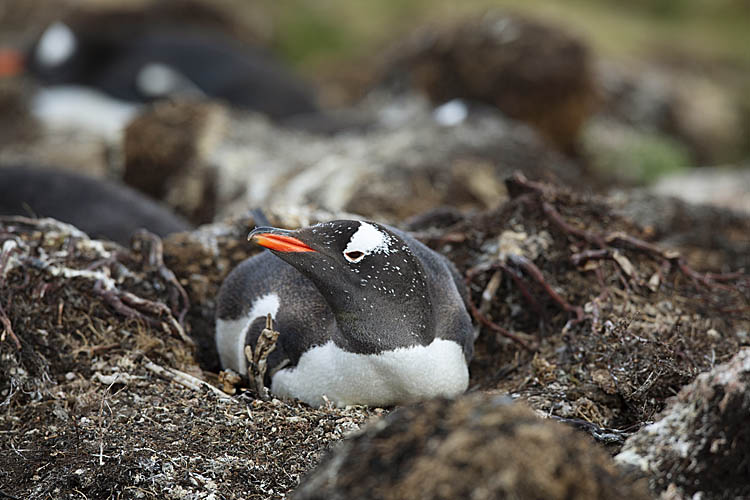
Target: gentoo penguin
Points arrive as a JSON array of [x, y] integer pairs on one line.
[[142, 65], [366, 315], [100, 208]]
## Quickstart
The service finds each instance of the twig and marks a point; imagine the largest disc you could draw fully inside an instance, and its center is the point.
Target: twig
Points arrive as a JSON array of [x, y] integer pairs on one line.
[[489, 291], [555, 217], [639, 244], [228, 380], [184, 379], [122, 301], [98, 349], [601, 434], [604, 244], [487, 296], [7, 328], [701, 278], [579, 258], [258, 359], [158, 309], [604, 294], [480, 317], [8, 495], [726, 276], [542, 191], [710, 280], [10, 247], [155, 257], [525, 292], [497, 328], [535, 273], [519, 183], [101, 419]]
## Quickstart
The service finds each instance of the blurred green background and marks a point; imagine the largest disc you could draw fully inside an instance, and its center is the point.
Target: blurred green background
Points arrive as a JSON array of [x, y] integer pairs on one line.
[[691, 57], [707, 39], [309, 31]]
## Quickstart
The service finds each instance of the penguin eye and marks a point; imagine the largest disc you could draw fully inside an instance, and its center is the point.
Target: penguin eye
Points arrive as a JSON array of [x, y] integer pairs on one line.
[[354, 256]]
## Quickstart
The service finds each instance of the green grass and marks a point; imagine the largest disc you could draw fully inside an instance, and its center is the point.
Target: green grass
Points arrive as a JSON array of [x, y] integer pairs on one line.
[[633, 155], [313, 31]]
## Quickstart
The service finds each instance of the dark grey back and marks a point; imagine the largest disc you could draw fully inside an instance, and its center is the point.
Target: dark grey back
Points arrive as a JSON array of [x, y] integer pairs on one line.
[[100, 208]]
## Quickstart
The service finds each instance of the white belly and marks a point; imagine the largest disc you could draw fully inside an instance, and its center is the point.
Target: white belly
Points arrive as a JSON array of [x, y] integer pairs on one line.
[[391, 377]]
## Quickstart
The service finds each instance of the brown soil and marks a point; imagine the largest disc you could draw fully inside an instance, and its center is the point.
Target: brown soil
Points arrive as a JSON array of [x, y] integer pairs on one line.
[[640, 322], [86, 413], [476, 447]]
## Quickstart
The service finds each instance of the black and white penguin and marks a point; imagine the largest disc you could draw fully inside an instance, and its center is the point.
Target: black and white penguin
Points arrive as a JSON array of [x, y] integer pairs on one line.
[[154, 62], [100, 208], [366, 315]]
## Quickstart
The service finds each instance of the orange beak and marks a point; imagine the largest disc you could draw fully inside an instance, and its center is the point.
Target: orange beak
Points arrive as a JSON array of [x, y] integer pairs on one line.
[[11, 62], [272, 239]]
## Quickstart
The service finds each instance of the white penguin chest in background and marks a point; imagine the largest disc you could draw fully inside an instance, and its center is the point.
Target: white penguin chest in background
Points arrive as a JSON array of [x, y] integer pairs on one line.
[[390, 377]]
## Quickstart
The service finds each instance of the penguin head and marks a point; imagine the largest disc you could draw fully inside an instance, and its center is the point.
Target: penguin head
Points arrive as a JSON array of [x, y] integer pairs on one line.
[[55, 57], [348, 247], [363, 269], [64, 54]]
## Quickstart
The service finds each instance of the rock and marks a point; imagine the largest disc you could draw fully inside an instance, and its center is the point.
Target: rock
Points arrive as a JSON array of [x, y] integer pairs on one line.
[[478, 447], [165, 150], [405, 164], [531, 71], [700, 444], [17, 125], [712, 237], [704, 117], [724, 187]]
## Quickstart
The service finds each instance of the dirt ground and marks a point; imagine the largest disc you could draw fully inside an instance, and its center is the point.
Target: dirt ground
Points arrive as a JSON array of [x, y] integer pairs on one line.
[[613, 324], [591, 310], [581, 316], [87, 408]]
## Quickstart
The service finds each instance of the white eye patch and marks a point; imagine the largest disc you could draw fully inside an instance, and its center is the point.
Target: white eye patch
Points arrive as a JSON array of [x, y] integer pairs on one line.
[[56, 45], [366, 240]]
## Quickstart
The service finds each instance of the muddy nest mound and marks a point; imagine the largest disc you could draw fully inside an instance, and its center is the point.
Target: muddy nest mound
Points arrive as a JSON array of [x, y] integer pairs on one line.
[[533, 72], [100, 392], [581, 315], [475, 447], [700, 443]]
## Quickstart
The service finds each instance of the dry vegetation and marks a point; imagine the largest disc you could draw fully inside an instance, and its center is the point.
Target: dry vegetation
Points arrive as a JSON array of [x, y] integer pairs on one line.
[[581, 317]]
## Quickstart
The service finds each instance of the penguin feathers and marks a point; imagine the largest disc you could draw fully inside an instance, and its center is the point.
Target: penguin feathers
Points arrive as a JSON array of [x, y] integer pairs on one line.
[[367, 314]]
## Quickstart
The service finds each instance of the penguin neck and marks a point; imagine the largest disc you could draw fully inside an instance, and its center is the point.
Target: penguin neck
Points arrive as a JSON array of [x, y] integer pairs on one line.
[[376, 315], [373, 322], [376, 308]]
